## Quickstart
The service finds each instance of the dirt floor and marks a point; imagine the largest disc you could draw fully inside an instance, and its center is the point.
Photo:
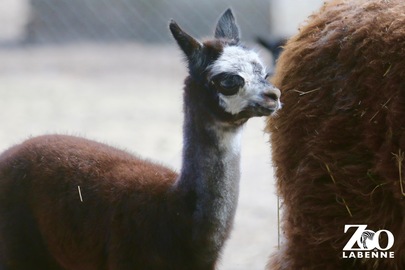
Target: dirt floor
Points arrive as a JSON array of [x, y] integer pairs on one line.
[[130, 96]]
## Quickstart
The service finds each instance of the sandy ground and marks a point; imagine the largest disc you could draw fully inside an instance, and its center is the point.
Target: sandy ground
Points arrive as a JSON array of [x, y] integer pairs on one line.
[[130, 96]]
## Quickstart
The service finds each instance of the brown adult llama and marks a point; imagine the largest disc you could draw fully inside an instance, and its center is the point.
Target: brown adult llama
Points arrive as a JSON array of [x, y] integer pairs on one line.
[[338, 143], [74, 204]]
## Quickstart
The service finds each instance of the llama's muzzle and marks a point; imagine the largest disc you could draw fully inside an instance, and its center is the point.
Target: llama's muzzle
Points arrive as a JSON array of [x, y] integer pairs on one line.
[[269, 101]]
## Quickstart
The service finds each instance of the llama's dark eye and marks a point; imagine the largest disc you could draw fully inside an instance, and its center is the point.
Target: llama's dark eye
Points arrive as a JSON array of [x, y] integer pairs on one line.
[[268, 75], [228, 84]]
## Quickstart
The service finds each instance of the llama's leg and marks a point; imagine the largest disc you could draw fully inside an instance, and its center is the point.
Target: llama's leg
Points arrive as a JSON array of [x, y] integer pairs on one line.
[[21, 245]]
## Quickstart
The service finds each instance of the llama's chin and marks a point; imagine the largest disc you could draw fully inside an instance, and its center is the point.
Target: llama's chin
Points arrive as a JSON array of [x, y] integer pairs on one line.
[[260, 109], [256, 111], [266, 112]]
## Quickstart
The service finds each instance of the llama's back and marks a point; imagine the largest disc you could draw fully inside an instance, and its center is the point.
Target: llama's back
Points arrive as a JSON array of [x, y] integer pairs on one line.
[[71, 197], [339, 138]]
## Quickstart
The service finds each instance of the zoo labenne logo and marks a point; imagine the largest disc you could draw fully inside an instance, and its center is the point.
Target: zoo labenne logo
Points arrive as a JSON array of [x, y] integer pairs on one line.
[[365, 243]]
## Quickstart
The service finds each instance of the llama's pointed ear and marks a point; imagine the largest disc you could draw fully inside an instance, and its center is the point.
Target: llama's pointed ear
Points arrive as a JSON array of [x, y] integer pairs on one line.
[[187, 43], [226, 27]]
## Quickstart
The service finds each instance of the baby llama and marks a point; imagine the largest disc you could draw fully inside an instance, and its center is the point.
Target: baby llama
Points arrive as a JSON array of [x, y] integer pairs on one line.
[[75, 204]]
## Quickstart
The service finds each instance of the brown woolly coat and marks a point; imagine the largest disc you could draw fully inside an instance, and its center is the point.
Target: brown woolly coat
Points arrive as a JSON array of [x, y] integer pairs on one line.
[[339, 141]]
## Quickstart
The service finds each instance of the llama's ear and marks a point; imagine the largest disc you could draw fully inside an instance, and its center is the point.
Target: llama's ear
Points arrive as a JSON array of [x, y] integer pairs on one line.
[[189, 45], [226, 27]]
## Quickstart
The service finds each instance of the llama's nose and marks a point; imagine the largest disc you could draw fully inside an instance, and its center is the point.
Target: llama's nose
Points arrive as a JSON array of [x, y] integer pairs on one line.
[[272, 93], [271, 97]]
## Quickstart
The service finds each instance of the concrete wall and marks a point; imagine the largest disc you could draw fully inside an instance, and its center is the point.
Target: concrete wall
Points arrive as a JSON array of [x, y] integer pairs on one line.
[[141, 20]]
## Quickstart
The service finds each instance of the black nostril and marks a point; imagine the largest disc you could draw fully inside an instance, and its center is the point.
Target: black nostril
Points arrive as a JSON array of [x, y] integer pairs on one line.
[[271, 95]]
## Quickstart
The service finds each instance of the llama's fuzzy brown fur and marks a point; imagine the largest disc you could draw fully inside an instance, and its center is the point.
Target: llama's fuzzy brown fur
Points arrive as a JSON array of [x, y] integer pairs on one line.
[[337, 140], [47, 208]]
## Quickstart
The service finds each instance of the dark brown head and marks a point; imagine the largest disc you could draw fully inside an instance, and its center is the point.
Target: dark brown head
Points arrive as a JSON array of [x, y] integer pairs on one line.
[[231, 77]]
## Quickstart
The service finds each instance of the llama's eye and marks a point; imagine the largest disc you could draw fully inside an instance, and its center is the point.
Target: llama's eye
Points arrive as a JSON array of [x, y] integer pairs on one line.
[[268, 74], [228, 84]]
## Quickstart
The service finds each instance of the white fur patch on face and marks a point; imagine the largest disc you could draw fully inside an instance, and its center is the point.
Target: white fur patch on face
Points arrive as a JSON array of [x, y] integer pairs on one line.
[[247, 64]]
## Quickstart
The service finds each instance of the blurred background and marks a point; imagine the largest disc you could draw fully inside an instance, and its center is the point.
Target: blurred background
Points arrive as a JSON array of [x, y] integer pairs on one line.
[[108, 70]]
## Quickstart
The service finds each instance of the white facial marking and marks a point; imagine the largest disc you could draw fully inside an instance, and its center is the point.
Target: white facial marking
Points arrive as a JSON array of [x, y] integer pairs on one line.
[[247, 64]]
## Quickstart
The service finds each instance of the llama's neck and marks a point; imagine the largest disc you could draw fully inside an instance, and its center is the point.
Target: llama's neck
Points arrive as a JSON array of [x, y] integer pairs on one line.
[[210, 174]]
